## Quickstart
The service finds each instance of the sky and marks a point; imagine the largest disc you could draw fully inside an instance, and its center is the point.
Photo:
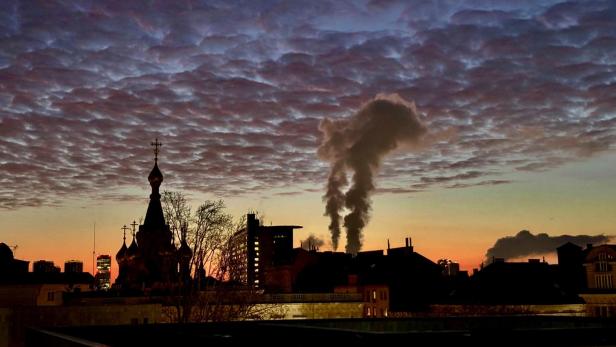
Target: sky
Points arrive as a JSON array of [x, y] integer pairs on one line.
[[517, 99]]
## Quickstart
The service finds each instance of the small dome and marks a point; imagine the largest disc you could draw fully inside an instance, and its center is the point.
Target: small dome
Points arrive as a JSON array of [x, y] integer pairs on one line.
[[155, 177], [122, 252], [6, 254], [133, 249]]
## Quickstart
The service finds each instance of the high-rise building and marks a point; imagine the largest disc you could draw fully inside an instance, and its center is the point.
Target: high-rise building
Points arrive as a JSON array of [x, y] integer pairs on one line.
[[103, 273], [44, 266], [257, 249], [73, 266]]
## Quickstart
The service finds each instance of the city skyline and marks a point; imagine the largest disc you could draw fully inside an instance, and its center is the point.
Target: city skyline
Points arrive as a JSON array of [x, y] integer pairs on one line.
[[515, 99]]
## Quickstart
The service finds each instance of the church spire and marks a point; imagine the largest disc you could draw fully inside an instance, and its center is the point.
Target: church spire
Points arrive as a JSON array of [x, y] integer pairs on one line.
[[154, 216]]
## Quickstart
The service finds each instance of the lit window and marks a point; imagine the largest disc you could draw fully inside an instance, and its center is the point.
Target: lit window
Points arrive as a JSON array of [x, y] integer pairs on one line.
[[374, 295], [369, 311]]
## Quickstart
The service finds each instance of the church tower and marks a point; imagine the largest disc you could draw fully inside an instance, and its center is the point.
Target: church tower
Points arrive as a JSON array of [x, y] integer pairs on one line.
[[154, 237]]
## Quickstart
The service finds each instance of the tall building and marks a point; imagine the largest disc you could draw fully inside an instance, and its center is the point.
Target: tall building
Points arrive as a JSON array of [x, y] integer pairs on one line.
[[151, 260], [257, 249], [103, 273], [44, 266], [73, 266], [571, 268]]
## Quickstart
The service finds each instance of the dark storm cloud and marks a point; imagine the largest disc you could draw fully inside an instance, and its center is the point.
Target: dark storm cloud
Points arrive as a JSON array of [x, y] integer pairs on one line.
[[236, 92], [526, 243]]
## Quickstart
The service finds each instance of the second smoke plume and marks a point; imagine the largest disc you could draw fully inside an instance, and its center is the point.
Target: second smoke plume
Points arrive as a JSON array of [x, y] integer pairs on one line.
[[359, 144]]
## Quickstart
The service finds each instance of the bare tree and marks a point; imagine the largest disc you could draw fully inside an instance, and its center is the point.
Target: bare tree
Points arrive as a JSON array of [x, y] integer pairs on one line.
[[211, 296]]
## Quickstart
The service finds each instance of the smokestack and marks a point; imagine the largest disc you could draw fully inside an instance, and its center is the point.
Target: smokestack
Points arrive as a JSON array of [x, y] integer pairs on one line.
[[359, 144], [410, 243], [406, 242], [388, 244]]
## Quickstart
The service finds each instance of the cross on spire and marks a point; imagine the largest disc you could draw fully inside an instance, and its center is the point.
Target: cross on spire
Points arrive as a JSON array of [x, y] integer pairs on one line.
[[134, 224], [124, 228], [156, 145]]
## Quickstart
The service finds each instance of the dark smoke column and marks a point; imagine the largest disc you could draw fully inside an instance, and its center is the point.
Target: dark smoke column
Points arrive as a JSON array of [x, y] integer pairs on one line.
[[359, 144]]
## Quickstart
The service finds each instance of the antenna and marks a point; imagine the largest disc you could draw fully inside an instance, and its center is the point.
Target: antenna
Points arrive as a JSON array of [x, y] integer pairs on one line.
[[94, 250]]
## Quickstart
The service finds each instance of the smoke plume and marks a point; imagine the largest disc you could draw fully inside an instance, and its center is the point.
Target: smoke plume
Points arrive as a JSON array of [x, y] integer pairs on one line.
[[358, 144], [312, 242], [525, 244]]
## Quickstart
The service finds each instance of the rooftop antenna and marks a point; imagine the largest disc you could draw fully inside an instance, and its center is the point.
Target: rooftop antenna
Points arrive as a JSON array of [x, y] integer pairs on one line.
[[94, 249]]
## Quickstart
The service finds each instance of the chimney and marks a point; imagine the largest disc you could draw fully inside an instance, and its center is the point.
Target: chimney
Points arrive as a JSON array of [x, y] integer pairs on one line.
[[410, 243], [388, 244], [406, 242]]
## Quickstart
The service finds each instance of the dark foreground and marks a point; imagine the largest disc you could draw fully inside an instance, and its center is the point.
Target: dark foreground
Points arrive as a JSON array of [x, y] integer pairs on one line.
[[475, 331]]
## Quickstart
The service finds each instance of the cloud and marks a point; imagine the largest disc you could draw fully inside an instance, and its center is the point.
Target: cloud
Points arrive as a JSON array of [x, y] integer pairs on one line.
[[236, 92], [525, 244]]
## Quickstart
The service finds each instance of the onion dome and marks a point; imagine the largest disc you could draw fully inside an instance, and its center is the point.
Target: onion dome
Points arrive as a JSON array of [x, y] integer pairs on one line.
[[121, 253], [133, 249], [155, 177]]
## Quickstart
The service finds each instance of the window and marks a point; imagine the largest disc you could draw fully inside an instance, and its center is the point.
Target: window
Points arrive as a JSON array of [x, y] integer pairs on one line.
[[604, 281], [50, 296], [369, 311], [602, 264], [373, 295]]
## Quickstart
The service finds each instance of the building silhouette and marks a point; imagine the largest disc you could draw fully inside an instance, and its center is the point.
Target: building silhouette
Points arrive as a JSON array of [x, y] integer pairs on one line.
[[410, 279], [571, 268], [151, 261], [44, 266], [257, 250], [73, 266], [600, 268], [10, 266]]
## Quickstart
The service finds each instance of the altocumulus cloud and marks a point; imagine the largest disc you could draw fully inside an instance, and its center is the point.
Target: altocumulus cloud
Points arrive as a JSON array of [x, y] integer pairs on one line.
[[236, 92]]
